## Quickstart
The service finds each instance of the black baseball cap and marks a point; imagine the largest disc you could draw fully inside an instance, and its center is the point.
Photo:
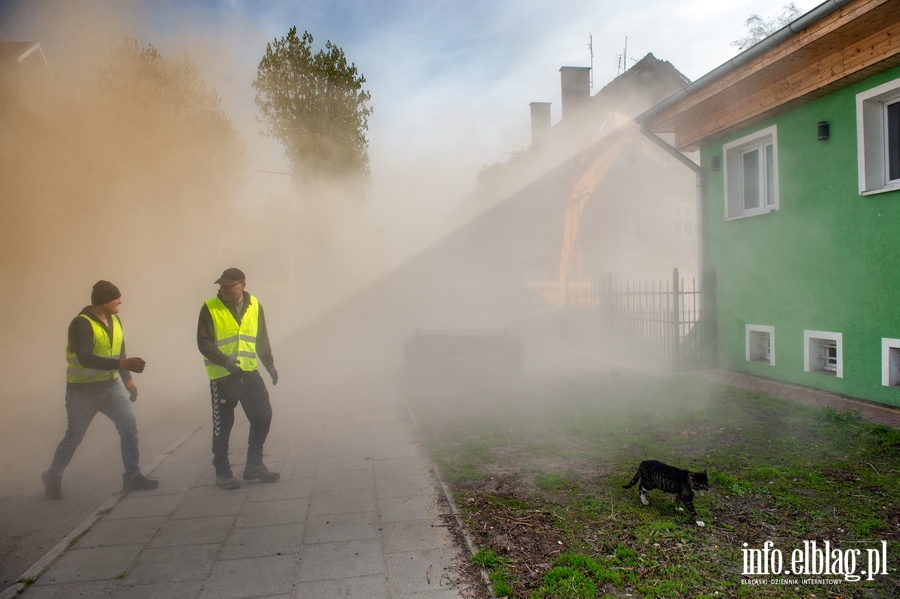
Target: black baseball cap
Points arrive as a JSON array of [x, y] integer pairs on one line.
[[231, 276]]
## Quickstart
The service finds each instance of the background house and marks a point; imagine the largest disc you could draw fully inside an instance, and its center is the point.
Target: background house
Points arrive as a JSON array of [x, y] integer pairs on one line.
[[502, 270], [629, 206], [630, 212], [23, 71], [584, 120], [800, 149]]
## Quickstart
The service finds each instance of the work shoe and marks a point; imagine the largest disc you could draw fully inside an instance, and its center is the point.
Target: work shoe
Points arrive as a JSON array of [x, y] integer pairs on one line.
[[228, 482], [52, 484], [260, 472], [139, 482]]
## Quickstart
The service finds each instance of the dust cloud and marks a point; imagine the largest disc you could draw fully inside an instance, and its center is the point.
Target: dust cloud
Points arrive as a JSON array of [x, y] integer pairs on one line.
[[119, 162], [116, 166], [158, 188]]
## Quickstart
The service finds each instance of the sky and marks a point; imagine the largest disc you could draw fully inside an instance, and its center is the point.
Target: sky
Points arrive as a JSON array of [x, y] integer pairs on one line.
[[451, 80]]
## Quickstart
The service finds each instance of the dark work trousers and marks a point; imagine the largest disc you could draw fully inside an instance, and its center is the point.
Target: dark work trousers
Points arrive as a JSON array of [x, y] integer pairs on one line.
[[250, 390]]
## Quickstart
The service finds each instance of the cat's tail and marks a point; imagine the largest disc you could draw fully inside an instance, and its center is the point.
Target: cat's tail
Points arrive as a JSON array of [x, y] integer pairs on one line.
[[637, 477]]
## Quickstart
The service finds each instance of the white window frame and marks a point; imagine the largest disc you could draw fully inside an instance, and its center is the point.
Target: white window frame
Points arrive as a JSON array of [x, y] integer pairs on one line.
[[752, 332], [872, 138], [890, 362], [734, 173], [684, 221], [812, 341], [631, 221]]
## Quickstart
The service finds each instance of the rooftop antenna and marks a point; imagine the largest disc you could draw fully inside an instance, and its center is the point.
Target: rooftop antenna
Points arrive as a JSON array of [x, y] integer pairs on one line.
[[625, 56], [591, 48]]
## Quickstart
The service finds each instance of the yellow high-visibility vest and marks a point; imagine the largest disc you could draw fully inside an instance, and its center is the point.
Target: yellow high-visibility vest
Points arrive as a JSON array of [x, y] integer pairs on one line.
[[238, 342], [104, 346]]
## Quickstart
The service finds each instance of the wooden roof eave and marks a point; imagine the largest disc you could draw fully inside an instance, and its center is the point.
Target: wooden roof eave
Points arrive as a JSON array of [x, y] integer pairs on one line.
[[839, 51]]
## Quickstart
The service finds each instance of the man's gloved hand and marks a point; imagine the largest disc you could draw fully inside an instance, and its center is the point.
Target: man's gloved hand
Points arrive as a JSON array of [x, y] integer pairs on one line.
[[132, 364], [231, 366], [274, 374]]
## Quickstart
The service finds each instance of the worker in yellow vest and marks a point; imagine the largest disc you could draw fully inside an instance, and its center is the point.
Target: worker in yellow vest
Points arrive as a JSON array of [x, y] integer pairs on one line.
[[96, 360], [232, 336]]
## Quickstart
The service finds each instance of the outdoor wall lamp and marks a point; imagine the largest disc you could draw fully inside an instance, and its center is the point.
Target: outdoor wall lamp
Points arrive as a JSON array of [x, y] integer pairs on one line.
[[823, 130], [714, 163]]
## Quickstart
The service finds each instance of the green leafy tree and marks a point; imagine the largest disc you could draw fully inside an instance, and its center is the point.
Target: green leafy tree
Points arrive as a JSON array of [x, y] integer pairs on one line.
[[759, 28], [125, 174], [314, 104], [146, 145], [165, 124]]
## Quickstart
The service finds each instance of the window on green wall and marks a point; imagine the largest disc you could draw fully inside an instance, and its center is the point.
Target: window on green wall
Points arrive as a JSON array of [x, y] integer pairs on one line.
[[892, 138], [751, 174], [878, 138]]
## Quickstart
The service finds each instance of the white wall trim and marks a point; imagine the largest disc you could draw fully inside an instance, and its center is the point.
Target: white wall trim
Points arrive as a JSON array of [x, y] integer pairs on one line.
[[759, 328]]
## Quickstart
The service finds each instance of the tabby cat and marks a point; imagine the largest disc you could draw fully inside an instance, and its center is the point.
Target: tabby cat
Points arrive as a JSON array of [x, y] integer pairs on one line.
[[669, 479]]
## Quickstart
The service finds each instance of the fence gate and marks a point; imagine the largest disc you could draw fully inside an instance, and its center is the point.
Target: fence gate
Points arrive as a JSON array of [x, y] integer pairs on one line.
[[664, 325]]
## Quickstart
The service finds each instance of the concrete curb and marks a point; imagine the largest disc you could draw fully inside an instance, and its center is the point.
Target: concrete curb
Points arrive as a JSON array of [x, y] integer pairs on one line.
[[39, 567], [35, 571], [445, 489]]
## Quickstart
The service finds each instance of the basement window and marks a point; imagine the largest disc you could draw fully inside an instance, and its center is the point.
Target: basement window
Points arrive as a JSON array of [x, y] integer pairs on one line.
[[751, 174], [890, 362], [878, 138], [823, 353], [760, 341]]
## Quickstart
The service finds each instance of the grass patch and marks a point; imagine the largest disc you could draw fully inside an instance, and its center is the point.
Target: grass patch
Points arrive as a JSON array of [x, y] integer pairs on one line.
[[537, 471], [78, 536], [496, 568], [552, 482], [830, 414], [565, 583]]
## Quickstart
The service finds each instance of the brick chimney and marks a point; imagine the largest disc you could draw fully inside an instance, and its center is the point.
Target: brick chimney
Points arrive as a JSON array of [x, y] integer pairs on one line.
[[576, 89], [540, 123]]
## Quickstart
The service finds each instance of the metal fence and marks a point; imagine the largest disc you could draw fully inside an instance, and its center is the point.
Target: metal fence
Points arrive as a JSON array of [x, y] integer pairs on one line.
[[663, 325]]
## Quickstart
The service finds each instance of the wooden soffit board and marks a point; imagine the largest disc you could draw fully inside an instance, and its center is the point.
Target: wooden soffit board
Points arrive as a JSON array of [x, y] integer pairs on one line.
[[849, 45]]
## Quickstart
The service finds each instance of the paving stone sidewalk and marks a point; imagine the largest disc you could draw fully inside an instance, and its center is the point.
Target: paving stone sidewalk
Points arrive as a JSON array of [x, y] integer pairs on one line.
[[868, 411], [357, 513]]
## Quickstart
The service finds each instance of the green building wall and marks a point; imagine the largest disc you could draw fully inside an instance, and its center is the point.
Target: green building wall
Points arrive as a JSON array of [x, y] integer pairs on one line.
[[827, 260]]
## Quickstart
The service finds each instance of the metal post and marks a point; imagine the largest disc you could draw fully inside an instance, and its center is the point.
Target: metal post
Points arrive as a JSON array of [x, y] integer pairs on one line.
[[710, 318], [676, 325]]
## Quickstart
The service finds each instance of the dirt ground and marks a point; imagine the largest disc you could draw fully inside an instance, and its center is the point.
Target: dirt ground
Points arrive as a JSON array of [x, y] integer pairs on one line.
[[530, 493]]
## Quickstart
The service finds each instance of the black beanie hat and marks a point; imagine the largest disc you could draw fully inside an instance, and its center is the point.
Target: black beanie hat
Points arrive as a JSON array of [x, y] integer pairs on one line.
[[104, 292]]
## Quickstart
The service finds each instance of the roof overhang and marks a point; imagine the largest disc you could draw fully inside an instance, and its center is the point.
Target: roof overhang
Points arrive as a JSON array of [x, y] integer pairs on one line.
[[16, 52], [838, 43]]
